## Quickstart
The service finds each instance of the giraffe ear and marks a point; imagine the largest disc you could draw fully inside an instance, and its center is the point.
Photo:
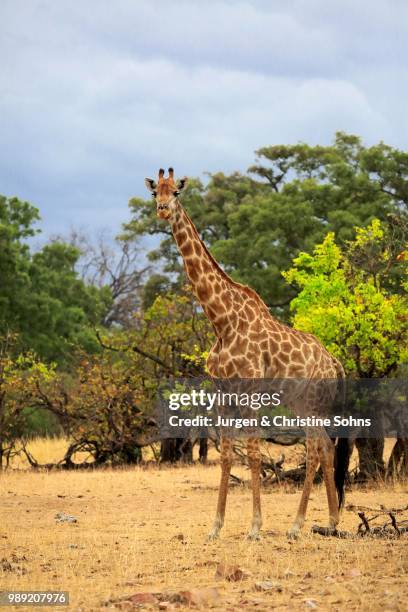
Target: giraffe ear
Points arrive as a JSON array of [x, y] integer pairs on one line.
[[181, 184], [150, 184]]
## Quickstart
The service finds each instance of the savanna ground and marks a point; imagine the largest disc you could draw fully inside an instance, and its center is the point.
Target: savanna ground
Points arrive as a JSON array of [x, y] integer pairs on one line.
[[144, 529]]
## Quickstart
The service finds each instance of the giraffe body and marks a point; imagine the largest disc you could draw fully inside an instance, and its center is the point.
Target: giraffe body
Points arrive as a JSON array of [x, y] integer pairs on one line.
[[250, 343]]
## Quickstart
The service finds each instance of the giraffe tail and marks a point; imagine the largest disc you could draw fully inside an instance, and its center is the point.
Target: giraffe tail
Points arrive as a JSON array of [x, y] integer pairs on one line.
[[343, 447], [341, 462]]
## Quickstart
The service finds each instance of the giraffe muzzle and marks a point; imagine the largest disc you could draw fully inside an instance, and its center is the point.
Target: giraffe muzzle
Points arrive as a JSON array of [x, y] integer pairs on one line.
[[163, 211]]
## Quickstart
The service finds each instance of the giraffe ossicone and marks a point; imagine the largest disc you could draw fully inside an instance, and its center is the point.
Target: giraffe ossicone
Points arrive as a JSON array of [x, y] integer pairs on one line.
[[250, 343]]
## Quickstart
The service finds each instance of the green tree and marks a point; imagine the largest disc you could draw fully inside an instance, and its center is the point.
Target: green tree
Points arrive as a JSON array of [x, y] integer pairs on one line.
[[42, 298], [17, 219], [255, 228], [62, 310]]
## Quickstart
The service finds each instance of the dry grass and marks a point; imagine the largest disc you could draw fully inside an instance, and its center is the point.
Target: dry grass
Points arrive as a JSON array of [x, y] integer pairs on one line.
[[127, 539]]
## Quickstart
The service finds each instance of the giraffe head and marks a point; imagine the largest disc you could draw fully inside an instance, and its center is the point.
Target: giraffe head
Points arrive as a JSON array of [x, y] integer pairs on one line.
[[165, 192]]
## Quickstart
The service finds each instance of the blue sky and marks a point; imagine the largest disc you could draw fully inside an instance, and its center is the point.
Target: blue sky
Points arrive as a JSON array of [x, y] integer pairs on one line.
[[96, 95]]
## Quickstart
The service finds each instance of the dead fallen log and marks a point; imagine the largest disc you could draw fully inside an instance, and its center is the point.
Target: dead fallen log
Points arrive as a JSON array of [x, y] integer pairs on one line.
[[295, 475], [394, 528], [235, 480], [381, 510], [330, 532]]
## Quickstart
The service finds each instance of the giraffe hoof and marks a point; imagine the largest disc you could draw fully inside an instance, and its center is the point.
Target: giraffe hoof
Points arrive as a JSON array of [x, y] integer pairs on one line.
[[212, 536], [254, 536], [293, 534]]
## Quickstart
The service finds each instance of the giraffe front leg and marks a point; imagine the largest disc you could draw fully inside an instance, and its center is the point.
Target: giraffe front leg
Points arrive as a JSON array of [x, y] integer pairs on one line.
[[254, 459], [312, 460], [226, 463]]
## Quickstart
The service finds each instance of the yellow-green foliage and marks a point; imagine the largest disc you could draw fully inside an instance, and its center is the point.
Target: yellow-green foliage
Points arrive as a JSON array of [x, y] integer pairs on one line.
[[21, 378], [347, 307]]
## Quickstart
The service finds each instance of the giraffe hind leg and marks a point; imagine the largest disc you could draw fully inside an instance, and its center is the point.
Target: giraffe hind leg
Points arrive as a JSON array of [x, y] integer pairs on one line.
[[326, 455], [312, 461]]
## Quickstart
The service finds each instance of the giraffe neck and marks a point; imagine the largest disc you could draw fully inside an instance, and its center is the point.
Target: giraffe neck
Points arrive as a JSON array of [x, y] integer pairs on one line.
[[214, 289]]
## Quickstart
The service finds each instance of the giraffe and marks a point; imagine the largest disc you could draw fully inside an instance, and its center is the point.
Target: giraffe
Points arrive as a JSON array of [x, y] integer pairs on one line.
[[250, 343]]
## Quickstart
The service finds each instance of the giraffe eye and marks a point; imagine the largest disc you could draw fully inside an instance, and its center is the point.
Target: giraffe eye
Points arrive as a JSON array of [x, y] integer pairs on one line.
[[176, 193], [154, 193]]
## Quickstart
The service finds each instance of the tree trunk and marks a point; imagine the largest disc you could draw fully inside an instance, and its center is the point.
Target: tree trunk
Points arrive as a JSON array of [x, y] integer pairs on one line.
[[398, 462], [130, 454], [203, 452], [176, 449], [371, 463]]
